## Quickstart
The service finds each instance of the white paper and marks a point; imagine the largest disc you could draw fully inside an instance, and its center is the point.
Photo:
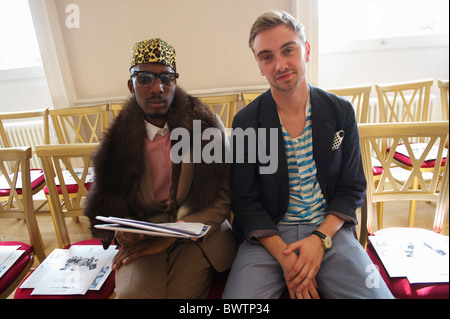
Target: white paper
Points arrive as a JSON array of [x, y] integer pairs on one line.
[[9, 261], [70, 271], [418, 254], [34, 174], [418, 149], [69, 180], [5, 251], [181, 230], [104, 273]]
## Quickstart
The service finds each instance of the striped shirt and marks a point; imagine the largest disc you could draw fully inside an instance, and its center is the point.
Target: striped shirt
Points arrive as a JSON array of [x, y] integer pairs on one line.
[[306, 202]]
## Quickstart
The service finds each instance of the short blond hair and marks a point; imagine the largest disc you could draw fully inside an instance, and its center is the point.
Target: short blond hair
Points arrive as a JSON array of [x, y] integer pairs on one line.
[[271, 19]]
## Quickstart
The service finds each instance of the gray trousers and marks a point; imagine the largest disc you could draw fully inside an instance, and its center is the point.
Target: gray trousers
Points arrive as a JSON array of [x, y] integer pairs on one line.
[[346, 270]]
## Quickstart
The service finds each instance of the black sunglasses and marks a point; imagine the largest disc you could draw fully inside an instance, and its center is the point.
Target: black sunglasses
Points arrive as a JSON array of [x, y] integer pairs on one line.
[[145, 78]]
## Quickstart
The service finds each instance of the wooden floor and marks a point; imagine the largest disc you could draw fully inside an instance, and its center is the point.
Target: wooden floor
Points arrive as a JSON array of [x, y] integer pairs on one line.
[[395, 215]]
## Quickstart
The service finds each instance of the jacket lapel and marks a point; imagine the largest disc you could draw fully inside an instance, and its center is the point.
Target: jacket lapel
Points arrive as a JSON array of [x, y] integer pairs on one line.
[[323, 127], [268, 118]]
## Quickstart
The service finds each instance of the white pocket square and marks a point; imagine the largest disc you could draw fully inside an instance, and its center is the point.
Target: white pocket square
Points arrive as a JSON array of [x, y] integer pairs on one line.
[[337, 140]]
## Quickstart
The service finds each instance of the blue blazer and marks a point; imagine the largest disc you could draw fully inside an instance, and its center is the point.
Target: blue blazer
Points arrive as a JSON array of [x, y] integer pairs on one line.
[[259, 201]]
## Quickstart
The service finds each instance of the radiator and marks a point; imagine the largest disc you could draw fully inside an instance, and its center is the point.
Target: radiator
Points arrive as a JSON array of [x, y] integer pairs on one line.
[[27, 132]]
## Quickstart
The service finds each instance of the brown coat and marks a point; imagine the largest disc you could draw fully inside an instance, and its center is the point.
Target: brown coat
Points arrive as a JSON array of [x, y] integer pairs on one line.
[[199, 192]]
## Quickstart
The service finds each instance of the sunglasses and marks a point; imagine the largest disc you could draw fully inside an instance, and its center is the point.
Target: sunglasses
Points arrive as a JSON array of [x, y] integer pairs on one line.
[[144, 78]]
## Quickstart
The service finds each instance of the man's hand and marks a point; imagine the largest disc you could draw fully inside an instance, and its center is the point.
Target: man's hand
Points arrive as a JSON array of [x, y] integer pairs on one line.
[[134, 246], [301, 276], [288, 261]]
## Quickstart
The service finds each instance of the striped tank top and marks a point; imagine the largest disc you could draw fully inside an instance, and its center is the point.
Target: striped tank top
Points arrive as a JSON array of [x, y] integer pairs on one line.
[[306, 202]]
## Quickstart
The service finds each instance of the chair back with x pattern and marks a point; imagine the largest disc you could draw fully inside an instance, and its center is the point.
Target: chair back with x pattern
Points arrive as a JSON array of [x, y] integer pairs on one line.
[[68, 183], [80, 124], [15, 173], [359, 96], [404, 102], [388, 188], [223, 105]]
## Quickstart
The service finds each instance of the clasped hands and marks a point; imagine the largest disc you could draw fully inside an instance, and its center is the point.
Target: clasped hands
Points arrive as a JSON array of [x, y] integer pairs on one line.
[[300, 270]]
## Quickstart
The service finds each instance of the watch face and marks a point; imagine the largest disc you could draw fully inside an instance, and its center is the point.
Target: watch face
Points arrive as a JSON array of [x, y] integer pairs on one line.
[[328, 242]]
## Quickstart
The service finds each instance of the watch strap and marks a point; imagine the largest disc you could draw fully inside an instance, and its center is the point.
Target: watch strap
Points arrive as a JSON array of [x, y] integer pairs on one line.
[[320, 234]]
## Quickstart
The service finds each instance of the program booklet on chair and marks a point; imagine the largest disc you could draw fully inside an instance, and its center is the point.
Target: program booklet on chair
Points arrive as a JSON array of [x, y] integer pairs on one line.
[[72, 271], [419, 255]]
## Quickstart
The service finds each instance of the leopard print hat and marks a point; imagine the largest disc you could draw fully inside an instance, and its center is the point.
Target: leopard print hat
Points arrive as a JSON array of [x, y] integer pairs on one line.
[[154, 50]]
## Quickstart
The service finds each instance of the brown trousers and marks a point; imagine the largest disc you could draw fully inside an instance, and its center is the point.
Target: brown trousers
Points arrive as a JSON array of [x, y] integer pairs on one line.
[[181, 272]]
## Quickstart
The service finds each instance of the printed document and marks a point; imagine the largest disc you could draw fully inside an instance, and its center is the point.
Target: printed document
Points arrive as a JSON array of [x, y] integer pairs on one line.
[[418, 254], [71, 271], [181, 230]]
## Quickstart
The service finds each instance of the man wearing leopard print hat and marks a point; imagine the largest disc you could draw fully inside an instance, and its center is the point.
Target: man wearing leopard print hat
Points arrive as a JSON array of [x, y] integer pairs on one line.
[[135, 178]]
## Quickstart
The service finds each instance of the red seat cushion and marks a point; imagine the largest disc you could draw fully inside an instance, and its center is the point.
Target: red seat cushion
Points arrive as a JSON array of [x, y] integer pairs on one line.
[[16, 270], [104, 293], [70, 188], [377, 170], [407, 161], [402, 289], [34, 184]]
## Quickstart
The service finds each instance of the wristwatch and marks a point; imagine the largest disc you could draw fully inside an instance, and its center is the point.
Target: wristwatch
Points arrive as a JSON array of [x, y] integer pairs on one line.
[[327, 242]]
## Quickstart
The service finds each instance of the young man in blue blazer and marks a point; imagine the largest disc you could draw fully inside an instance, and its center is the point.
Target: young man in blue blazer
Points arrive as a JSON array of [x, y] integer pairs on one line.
[[295, 226]]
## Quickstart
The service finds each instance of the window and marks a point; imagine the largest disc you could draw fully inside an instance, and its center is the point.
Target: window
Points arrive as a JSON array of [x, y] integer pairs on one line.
[[347, 25], [18, 44], [21, 67]]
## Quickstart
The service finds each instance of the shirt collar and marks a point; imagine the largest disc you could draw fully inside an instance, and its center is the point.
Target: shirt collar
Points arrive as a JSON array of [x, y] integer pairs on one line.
[[152, 130]]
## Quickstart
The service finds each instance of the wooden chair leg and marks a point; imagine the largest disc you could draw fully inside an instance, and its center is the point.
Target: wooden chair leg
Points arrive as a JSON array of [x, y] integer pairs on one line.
[[413, 205]]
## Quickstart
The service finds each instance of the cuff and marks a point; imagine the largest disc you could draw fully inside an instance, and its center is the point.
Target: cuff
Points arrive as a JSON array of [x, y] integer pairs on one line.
[[255, 235]]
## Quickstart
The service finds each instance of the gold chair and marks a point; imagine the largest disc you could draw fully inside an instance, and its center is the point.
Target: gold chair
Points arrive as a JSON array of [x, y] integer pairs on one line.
[[388, 189], [247, 97], [19, 204], [404, 102], [443, 88], [399, 238], [67, 198], [222, 105], [39, 134], [80, 124], [359, 97], [116, 108]]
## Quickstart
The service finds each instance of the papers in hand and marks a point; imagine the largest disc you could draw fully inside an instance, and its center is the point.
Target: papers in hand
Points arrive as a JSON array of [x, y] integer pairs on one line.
[[181, 230]]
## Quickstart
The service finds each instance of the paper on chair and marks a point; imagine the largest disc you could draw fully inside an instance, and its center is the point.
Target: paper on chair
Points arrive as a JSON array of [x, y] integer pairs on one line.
[[70, 271], [418, 254], [418, 149]]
